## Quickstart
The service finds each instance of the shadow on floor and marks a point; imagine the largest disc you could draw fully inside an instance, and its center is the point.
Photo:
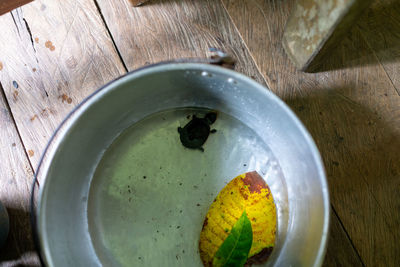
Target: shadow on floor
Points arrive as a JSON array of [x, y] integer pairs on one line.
[[19, 249], [375, 36], [361, 155]]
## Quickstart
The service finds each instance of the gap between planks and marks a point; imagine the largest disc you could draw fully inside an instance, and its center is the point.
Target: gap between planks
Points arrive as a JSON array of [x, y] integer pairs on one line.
[[3, 95], [265, 78], [110, 34], [347, 235]]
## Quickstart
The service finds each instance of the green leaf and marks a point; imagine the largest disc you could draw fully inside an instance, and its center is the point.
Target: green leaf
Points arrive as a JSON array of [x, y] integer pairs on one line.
[[235, 249]]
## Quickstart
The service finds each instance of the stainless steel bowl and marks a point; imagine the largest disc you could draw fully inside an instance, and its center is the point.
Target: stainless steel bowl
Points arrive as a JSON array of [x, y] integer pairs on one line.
[[118, 187]]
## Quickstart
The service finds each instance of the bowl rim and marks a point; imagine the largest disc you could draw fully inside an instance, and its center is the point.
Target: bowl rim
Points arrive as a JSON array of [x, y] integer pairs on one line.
[[63, 128]]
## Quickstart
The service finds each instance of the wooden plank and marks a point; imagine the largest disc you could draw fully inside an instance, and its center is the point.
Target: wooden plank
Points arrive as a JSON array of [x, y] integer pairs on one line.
[[340, 251], [8, 5], [165, 30], [15, 185], [353, 115], [53, 54], [379, 27]]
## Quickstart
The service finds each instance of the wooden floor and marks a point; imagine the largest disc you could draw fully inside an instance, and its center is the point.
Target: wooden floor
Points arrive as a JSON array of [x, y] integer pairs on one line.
[[55, 53]]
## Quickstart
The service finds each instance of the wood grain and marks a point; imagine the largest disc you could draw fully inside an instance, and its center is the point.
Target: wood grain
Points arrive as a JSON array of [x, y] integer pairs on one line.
[[379, 27], [15, 185], [165, 30], [353, 115], [54, 54], [340, 251]]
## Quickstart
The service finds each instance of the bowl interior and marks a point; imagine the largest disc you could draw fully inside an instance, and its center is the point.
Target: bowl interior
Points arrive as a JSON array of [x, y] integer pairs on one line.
[[140, 197]]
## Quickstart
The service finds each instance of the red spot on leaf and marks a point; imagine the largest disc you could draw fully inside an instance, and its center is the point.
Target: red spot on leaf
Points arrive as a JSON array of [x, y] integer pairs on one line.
[[254, 181]]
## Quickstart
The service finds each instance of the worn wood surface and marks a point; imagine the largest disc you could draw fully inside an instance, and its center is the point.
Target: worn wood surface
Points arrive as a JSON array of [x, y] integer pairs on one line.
[[57, 52], [353, 115], [379, 26], [340, 251], [164, 30], [52, 55], [16, 178]]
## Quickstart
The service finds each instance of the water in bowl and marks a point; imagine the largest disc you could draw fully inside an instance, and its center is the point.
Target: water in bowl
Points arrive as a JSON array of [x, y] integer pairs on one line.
[[150, 194]]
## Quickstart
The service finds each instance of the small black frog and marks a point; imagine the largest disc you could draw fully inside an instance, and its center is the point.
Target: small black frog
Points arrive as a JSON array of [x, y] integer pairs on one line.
[[196, 131]]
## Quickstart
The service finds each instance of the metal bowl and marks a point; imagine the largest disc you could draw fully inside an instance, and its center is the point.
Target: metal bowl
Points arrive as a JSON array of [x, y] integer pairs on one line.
[[119, 189]]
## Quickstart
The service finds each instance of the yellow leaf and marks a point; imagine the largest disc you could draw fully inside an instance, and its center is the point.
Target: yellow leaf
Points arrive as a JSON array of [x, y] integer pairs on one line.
[[246, 192]]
